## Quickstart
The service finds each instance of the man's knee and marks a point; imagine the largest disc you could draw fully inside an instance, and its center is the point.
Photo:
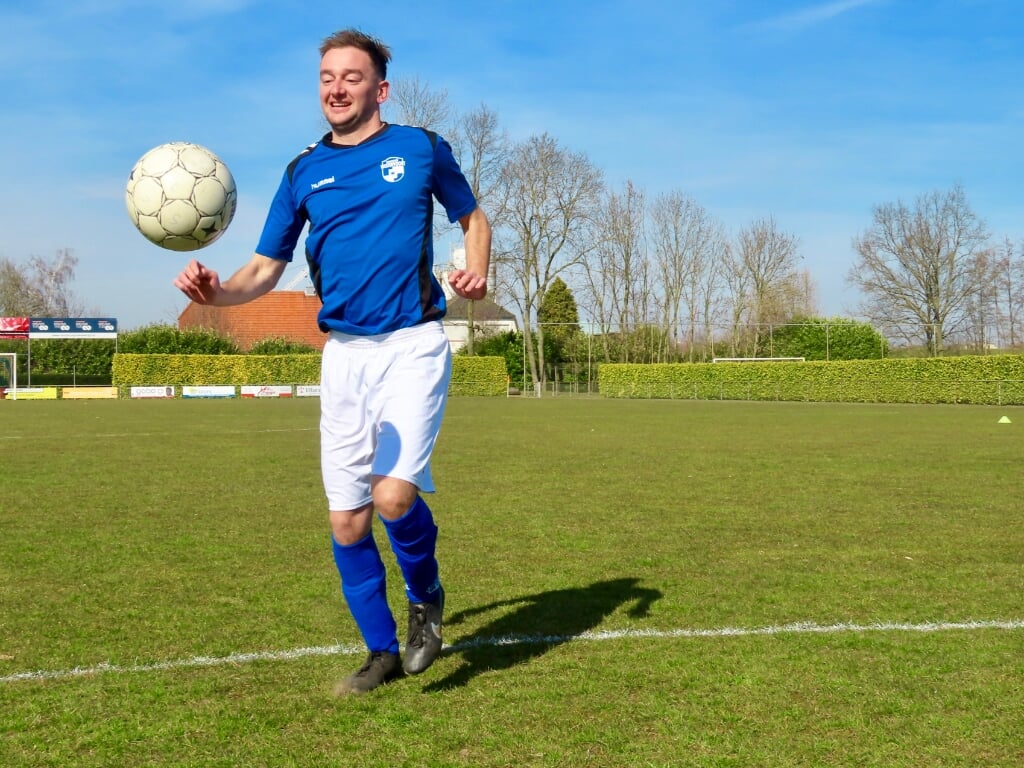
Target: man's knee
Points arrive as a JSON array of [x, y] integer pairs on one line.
[[392, 497], [351, 526]]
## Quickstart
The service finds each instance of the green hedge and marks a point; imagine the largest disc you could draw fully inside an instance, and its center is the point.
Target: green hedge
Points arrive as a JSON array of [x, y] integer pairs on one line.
[[991, 380], [479, 376], [470, 375]]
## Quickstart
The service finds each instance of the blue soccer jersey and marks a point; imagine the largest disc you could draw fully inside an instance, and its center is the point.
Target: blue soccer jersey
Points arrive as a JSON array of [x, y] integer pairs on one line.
[[370, 212]]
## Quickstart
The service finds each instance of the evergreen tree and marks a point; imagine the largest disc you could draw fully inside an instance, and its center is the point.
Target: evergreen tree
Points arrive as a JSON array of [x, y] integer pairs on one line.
[[558, 309]]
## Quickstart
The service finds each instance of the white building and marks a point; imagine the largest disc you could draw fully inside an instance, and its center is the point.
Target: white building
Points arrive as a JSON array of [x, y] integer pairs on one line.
[[488, 317]]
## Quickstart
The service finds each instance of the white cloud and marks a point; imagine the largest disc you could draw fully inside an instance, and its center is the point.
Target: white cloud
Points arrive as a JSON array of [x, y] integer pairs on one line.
[[815, 14]]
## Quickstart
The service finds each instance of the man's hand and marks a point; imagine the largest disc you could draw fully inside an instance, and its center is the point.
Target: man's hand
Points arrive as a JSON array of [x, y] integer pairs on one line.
[[468, 285], [200, 284]]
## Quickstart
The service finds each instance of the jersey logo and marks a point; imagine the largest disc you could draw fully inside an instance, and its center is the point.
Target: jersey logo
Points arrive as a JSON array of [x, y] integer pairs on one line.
[[393, 169]]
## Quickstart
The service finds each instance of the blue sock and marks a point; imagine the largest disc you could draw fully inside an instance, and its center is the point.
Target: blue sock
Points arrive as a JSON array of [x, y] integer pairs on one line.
[[413, 539], [363, 582]]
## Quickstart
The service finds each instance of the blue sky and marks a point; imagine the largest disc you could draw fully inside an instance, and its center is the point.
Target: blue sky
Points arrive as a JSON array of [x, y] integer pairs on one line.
[[810, 111]]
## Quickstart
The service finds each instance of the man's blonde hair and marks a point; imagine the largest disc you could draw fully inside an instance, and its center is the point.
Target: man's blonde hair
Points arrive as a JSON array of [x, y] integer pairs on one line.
[[379, 53]]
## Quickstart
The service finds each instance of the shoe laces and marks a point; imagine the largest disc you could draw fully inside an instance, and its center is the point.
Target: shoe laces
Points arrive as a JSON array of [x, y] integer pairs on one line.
[[418, 616]]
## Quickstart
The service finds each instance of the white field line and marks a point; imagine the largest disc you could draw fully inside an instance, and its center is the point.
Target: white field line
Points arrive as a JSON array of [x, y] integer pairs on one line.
[[799, 628], [122, 435]]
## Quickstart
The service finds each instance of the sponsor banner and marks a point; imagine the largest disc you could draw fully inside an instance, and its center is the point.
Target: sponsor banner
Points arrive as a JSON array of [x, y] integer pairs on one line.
[[88, 393], [152, 392], [14, 327], [208, 391], [307, 390], [283, 390], [33, 393], [73, 328]]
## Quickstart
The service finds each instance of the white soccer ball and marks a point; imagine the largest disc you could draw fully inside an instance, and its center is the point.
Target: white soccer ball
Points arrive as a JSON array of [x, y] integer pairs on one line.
[[181, 196]]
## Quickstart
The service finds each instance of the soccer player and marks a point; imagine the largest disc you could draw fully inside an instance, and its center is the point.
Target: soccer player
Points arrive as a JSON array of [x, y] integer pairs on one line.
[[366, 190]]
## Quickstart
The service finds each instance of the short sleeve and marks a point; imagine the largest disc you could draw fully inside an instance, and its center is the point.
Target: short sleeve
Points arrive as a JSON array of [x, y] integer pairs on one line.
[[450, 186], [283, 225]]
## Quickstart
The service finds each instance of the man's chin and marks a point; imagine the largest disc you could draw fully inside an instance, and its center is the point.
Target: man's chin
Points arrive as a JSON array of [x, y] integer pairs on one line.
[[341, 126]]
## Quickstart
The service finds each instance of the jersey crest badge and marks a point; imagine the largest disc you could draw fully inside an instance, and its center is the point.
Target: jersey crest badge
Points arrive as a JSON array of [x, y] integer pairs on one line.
[[393, 169]]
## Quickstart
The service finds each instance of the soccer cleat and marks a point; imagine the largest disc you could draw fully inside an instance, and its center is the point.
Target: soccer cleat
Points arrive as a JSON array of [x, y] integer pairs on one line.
[[380, 667], [424, 642]]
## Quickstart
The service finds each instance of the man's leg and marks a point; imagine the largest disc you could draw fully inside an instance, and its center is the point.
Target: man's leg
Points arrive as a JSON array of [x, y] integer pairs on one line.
[[413, 537], [347, 440], [409, 401], [364, 584]]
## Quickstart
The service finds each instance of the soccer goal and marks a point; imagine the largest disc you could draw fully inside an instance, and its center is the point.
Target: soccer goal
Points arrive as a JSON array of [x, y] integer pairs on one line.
[[8, 374]]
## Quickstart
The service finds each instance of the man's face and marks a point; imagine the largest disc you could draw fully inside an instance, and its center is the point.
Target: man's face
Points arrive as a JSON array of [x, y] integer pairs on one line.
[[351, 92]]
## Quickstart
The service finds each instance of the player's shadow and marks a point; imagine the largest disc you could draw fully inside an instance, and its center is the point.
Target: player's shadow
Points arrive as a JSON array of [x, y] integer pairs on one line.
[[540, 623]]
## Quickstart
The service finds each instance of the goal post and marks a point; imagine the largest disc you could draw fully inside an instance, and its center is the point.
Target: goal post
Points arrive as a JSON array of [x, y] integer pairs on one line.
[[8, 374]]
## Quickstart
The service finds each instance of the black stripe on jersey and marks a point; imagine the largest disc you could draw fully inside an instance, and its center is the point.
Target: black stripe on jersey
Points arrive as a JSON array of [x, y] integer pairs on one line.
[[426, 279], [290, 170], [314, 277]]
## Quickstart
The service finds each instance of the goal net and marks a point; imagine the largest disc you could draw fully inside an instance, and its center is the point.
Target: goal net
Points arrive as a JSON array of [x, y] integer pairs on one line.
[[8, 374]]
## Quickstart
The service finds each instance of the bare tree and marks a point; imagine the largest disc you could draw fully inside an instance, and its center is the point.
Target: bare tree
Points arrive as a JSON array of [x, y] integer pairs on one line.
[[805, 292], [981, 316], [689, 246], [769, 258], [598, 281], [53, 279], [414, 102], [1015, 294], [550, 198], [19, 297], [915, 266], [672, 217], [707, 291], [39, 287], [738, 302], [481, 146], [1009, 288], [1015, 298], [624, 274]]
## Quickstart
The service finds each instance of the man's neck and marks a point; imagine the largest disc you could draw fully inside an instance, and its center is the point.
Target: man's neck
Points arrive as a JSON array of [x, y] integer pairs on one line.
[[359, 134]]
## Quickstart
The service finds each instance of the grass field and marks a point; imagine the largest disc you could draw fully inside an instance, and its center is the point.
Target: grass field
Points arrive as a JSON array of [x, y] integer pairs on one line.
[[630, 583]]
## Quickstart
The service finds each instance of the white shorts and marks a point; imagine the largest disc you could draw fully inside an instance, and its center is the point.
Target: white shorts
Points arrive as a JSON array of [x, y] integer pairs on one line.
[[381, 402]]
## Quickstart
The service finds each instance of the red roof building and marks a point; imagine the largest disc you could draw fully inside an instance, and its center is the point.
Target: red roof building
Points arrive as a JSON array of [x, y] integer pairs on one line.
[[292, 315], [287, 315]]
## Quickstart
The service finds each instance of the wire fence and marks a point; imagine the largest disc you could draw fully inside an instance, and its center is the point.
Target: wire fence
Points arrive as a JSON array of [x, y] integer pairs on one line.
[[572, 352], [974, 391]]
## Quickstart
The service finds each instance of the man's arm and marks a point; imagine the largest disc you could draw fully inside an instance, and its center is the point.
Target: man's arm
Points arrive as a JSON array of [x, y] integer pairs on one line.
[[471, 282], [258, 276]]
